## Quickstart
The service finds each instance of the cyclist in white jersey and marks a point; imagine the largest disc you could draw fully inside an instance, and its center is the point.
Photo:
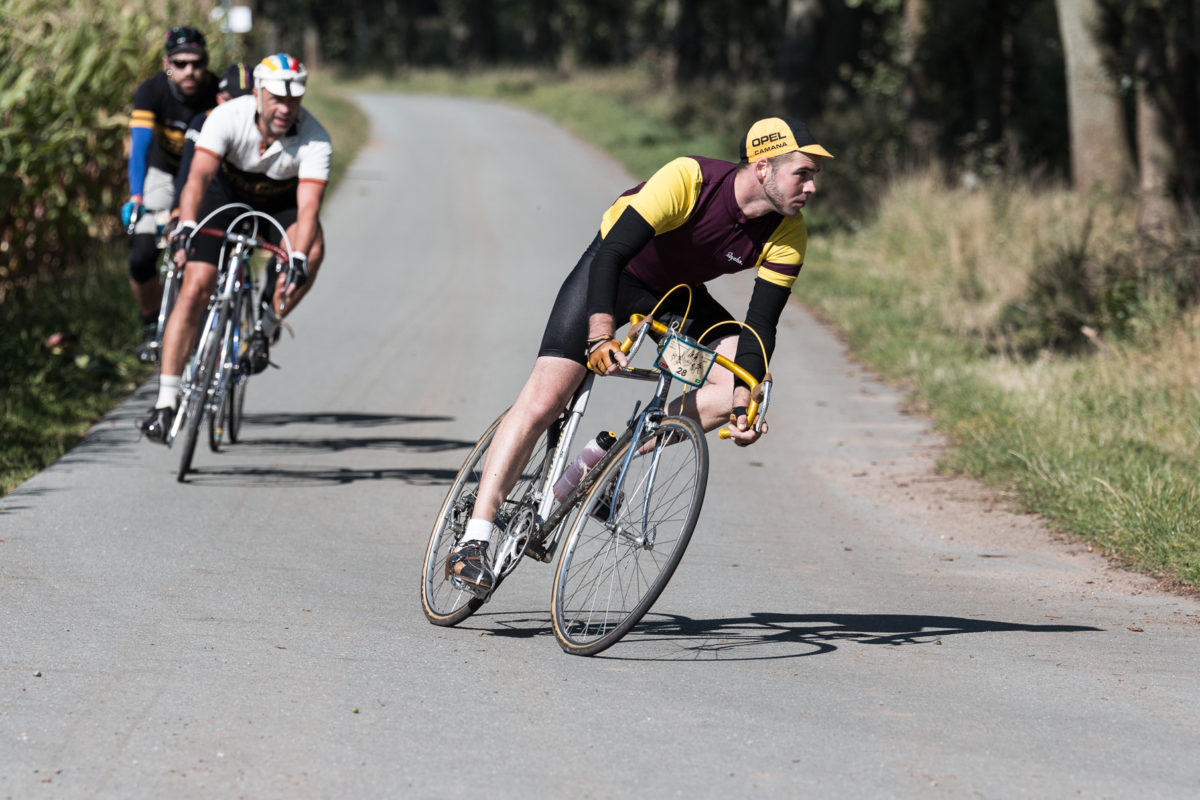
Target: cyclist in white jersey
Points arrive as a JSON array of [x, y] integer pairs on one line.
[[268, 152]]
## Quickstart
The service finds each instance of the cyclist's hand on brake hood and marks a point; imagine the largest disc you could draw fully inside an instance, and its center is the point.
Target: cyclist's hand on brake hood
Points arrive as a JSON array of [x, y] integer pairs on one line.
[[605, 357], [740, 430]]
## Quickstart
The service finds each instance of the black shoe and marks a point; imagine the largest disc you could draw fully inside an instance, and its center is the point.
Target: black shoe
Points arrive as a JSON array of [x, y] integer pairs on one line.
[[259, 357], [147, 351], [157, 424], [469, 564]]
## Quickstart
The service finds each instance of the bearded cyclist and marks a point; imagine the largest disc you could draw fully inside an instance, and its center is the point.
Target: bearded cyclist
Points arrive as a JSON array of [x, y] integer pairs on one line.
[[265, 151], [694, 219], [163, 106]]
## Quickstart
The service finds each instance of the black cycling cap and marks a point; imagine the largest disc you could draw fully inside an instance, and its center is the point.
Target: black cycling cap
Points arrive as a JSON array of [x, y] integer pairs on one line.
[[184, 39], [236, 80]]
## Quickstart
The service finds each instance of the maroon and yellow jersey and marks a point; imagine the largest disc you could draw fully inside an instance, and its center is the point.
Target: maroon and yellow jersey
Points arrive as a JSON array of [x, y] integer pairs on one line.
[[701, 233]]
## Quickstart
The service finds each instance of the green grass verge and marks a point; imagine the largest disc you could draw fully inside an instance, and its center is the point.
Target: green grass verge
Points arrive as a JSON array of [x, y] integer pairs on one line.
[[53, 390], [1061, 438]]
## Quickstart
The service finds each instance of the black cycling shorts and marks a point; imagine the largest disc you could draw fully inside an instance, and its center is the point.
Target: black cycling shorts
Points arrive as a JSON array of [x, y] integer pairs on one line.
[[208, 248], [567, 329]]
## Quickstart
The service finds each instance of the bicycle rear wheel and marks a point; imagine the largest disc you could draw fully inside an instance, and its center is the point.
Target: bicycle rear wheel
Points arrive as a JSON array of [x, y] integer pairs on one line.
[[222, 384], [443, 602], [611, 572], [208, 355], [172, 278], [237, 387]]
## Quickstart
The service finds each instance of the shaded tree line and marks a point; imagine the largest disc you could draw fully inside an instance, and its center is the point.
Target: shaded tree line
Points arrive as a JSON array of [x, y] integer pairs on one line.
[[979, 85]]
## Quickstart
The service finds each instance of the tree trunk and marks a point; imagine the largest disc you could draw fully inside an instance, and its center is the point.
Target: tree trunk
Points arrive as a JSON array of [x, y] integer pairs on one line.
[[1100, 151], [1155, 156], [921, 130], [681, 19], [540, 43], [795, 76]]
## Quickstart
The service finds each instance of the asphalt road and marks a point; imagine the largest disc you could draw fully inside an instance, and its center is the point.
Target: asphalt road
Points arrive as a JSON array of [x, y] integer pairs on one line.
[[844, 623]]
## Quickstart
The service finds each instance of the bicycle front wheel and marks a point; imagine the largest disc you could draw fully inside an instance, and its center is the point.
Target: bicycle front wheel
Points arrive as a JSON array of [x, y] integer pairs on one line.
[[172, 278], [208, 354], [629, 536], [443, 602]]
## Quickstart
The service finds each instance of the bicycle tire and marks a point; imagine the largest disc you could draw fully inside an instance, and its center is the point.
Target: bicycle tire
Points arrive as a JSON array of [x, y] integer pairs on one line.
[[216, 418], [237, 388], [230, 341], [607, 578], [208, 352], [170, 294], [443, 603]]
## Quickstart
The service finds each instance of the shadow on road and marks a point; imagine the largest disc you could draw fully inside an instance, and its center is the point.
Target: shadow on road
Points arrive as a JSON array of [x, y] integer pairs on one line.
[[340, 418], [279, 478], [765, 636]]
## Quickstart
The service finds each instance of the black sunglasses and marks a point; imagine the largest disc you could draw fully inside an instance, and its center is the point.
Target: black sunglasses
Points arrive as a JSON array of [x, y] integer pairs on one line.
[[181, 64]]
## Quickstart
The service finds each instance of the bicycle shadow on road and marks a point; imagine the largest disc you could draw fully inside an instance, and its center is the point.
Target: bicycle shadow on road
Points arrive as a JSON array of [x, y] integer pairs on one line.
[[355, 419], [252, 447], [769, 635], [764, 636], [279, 478]]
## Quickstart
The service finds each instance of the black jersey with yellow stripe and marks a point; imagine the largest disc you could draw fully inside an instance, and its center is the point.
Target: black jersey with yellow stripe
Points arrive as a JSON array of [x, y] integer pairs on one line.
[[701, 233], [159, 106]]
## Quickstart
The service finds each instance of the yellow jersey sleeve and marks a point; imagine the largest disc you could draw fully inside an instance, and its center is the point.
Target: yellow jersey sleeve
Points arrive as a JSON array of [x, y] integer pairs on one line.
[[783, 254], [665, 201]]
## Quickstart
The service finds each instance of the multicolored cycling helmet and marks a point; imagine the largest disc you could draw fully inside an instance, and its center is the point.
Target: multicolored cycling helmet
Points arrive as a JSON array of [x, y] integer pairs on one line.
[[281, 75], [185, 39]]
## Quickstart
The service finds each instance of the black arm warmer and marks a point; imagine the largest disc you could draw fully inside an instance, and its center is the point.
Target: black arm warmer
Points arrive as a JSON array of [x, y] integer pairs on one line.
[[766, 304], [625, 238]]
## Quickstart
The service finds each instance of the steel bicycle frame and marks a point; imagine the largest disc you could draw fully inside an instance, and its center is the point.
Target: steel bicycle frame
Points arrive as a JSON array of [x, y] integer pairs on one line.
[[229, 282]]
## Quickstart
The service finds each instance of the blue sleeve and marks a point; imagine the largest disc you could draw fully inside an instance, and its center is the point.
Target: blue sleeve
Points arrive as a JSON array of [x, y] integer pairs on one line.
[[139, 156]]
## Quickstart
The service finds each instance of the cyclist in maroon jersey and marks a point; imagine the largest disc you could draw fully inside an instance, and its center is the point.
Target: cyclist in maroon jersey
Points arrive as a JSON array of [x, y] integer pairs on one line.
[[694, 219]]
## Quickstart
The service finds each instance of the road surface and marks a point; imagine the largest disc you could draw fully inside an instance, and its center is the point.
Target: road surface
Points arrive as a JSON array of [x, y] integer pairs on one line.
[[844, 624]]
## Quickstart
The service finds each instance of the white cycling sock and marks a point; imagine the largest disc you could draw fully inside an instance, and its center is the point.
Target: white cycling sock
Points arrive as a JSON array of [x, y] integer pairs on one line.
[[168, 390], [479, 530]]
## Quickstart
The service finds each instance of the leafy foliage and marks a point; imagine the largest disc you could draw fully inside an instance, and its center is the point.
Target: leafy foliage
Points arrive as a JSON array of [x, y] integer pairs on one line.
[[67, 73]]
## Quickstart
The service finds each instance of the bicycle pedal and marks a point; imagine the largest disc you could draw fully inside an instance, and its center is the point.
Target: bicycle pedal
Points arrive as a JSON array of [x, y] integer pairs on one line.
[[461, 585]]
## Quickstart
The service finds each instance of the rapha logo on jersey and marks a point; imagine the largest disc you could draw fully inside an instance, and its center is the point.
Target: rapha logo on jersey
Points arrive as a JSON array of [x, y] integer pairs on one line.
[[733, 258]]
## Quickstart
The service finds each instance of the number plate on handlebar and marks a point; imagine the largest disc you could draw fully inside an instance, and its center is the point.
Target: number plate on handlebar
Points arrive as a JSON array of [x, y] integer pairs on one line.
[[686, 360]]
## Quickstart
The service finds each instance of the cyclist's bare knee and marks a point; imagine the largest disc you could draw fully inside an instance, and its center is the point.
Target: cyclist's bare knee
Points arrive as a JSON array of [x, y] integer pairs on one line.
[[199, 280], [547, 390]]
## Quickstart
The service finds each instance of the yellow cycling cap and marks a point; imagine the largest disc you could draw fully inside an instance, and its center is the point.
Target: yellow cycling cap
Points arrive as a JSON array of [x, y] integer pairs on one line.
[[775, 136]]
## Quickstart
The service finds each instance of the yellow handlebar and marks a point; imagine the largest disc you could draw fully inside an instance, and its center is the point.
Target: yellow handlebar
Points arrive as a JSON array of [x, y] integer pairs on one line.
[[756, 388]]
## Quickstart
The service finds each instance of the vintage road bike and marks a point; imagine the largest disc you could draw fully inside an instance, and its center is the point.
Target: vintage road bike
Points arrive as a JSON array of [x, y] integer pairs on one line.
[[213, 385], [634, 511]]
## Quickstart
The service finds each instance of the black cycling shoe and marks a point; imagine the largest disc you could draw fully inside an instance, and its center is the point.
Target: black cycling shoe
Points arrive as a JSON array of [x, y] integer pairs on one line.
[[259, 357], [147, 351], [469, 564], [157, 424]]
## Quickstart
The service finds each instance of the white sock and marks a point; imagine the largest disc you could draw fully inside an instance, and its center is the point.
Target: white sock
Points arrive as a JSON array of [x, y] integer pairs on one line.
[[479, 530], [168, 391]]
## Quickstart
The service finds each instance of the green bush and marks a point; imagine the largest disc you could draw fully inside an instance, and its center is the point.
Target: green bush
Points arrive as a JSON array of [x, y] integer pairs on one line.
[[67, 73]]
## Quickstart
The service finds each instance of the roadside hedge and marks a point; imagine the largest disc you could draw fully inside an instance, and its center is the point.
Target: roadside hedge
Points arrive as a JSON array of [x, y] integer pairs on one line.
[[67, 75]]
